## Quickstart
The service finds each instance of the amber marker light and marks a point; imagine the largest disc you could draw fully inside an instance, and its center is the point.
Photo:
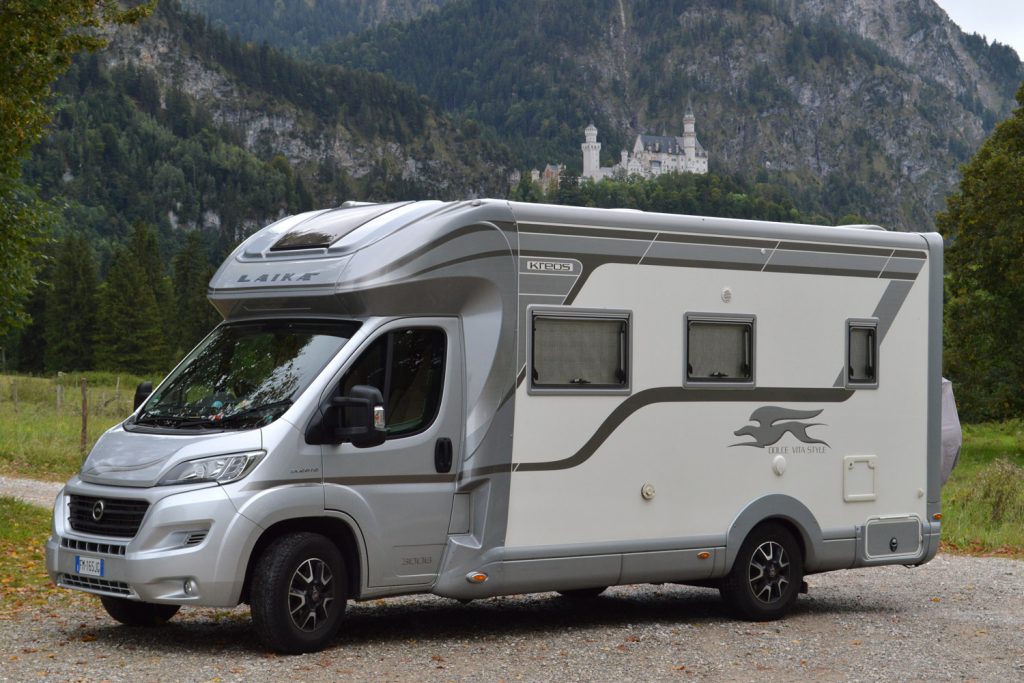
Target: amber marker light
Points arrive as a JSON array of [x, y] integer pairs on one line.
[[476, 577], [704, 555], [937, 516]]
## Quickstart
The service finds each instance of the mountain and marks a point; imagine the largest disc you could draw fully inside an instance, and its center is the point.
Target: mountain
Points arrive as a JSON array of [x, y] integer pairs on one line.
[[179, 126], [297, 25], [858, 106]]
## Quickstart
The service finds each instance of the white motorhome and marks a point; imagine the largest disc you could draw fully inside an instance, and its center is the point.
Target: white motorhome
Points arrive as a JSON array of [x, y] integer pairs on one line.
[[482, 398]]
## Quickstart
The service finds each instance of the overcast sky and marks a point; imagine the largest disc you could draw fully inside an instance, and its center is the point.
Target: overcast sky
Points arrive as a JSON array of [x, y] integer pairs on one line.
[[1001, 20]]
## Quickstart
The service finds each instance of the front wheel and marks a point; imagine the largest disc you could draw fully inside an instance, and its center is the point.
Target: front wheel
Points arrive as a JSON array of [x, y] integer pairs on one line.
[[134, 613], [765, 578], [298, 593]]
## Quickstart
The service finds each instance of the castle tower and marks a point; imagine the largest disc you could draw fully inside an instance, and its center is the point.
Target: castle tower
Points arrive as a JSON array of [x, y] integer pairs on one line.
[[689, 133], [591, 153]]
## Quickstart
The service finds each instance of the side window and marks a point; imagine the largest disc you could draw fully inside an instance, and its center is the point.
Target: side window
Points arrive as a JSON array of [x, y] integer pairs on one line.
[[408, 368], [862, 354], [719, 350], [579, 351]]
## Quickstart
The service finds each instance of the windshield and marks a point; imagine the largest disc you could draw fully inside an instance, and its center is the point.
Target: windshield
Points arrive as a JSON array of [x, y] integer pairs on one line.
[[245, 375]]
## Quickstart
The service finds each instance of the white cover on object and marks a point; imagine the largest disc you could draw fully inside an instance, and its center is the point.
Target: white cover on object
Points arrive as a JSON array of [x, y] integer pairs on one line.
[[952, 439]]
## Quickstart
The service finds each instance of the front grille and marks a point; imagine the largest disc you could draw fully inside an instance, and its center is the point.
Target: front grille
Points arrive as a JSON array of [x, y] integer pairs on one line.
[[94, 584], [119, 517], [91, 547]]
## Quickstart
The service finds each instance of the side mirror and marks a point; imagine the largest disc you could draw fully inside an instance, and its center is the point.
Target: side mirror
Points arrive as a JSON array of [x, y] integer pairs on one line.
[[360, 417], [142, 392]]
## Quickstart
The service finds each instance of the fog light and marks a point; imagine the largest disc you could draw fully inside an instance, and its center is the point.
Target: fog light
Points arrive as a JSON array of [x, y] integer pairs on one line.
[[190, 587]]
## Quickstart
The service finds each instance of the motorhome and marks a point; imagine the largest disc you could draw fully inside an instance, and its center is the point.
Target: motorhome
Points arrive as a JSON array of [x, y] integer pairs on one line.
[[484, 398]]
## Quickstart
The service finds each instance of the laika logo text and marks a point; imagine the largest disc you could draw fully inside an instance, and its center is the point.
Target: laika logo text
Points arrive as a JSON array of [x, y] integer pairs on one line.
[[770, 428], [279, 277]]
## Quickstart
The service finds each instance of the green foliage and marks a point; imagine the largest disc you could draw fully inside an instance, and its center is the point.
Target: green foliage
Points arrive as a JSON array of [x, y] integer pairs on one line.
[[22, 566], [685, 193], [22, 220], [131, 331], [298, 26], [194, 315], [38, 440], [37, 43], [984, 221], [983, 501], [838, 116], [70, 317]]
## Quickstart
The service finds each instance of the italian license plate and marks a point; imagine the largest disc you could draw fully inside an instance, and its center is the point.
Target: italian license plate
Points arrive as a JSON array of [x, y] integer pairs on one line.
[[88, 566]]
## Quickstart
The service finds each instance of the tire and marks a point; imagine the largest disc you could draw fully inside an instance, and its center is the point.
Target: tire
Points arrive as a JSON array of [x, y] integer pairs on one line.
[[134, 613], [299, 591], [583, 593], [765, 578]]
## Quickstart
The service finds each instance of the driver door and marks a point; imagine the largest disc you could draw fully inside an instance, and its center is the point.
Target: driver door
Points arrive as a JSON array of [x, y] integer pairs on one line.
[[400, 492]]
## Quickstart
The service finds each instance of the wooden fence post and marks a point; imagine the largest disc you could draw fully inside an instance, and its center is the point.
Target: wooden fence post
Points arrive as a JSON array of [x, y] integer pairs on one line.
[[60, 397], [85, 417]]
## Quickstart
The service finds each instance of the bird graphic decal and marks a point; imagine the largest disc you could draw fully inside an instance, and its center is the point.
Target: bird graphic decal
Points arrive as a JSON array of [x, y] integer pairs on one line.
[[770, 430]]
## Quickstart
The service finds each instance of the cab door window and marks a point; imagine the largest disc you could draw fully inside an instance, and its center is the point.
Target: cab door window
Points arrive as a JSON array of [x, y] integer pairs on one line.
[[407, 366]]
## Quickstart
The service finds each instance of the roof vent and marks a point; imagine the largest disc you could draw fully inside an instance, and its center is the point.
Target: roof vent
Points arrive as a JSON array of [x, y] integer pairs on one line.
[[326, 228]]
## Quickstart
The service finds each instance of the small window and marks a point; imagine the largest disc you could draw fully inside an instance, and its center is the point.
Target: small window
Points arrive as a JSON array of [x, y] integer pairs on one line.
[[579, 351], [719, 350], [862, 354], [408, 368]]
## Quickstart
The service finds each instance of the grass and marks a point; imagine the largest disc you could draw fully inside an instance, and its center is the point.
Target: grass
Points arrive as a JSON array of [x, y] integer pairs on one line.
[[37, 440], [983, 502], [23, 578]]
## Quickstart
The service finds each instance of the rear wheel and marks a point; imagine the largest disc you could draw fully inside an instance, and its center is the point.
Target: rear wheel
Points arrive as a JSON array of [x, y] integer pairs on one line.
[[583, 593], [134, 613], [298, 593], [766, 576]]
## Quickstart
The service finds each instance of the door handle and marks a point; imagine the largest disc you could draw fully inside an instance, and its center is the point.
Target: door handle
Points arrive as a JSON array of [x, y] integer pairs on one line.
[[443, 455]]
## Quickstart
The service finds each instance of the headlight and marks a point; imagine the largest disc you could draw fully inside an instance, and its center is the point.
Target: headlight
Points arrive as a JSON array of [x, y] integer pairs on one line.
[[219, 468]]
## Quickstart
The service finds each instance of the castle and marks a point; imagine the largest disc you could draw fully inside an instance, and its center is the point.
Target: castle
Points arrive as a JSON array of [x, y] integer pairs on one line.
[[652, 154]]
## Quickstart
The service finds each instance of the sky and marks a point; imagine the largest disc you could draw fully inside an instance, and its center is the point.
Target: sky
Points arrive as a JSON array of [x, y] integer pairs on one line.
[[1001, 20]]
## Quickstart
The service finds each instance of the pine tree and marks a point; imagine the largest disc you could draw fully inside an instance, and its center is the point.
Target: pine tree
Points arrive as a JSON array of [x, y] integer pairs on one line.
[[195, 315], [70, 317], [129, 327], [143, 244]]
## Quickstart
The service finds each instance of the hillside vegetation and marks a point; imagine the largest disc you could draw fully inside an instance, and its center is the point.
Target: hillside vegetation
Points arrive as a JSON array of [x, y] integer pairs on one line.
[[871, 105]]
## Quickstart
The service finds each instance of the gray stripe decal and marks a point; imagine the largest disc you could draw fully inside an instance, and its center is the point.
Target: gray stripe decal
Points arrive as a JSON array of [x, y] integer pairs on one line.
[[355, 481], [843, 272], [889, 306], [648, 397], [463, 259], [415, 254], [834, 249], [886, 311], [607, 233], [716, 241], [392, 479]]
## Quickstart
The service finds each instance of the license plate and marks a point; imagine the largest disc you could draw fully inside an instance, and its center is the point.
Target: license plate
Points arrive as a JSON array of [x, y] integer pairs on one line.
[[88, 566]]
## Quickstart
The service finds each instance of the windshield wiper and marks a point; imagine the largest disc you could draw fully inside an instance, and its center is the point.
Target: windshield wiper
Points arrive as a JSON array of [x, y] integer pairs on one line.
[[175, 421]]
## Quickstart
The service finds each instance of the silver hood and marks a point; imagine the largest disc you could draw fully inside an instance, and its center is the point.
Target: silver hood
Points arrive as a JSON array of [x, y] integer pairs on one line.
[[123, 458]]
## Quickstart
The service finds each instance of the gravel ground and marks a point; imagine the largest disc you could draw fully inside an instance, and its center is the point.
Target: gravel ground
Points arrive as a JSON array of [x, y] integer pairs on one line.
[[41, 493], [956, 618]]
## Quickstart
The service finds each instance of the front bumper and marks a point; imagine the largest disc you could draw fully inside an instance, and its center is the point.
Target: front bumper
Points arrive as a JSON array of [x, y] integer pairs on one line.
[[188, 535]]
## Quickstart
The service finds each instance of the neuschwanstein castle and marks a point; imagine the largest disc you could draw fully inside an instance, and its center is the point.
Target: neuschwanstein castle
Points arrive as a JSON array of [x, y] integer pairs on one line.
[[652, 154]]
